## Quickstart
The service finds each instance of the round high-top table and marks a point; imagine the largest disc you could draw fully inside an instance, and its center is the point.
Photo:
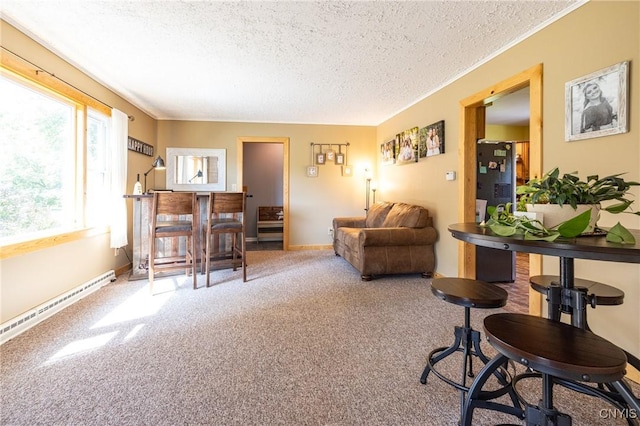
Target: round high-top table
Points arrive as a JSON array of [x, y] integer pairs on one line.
[[574, 300], [593, 248]]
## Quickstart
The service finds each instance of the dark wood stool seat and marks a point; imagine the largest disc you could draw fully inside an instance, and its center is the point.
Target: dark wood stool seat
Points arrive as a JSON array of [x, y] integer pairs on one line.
[[467, 293], [594, 292], [597, 293], [557, 351]]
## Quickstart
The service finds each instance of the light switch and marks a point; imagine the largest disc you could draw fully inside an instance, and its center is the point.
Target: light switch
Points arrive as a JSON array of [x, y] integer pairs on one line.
[[450, 175]]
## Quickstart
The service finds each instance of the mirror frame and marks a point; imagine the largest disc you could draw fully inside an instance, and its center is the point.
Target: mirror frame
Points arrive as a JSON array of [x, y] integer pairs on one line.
[[173, 153]]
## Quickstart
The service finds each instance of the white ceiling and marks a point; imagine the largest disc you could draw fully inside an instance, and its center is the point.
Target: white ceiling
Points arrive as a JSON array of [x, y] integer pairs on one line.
[[312, 62]]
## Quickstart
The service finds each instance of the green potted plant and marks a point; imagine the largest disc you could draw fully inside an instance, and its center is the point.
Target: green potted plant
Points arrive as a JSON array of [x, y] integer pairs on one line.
[[503, 221], [569, 191]]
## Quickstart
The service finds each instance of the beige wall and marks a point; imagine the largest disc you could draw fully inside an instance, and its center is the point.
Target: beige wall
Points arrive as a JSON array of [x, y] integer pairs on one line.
[[595, 36], [507, 133], [313, 202]]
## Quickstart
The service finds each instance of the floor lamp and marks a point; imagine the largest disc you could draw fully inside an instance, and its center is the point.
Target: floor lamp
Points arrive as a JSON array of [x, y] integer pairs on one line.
[[367, 175]]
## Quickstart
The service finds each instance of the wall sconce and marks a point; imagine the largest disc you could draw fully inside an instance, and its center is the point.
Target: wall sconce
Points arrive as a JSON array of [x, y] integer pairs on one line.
[[158, 164]]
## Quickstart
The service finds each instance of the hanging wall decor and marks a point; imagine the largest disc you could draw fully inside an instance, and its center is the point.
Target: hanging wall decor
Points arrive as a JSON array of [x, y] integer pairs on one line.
[[312, 170], [435, 138], [324, 153], [388, 152], [407, 146], [135, 145], [596, 104]]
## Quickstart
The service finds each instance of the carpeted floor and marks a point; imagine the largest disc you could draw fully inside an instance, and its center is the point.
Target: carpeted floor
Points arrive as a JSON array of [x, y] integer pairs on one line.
[[303, 342]]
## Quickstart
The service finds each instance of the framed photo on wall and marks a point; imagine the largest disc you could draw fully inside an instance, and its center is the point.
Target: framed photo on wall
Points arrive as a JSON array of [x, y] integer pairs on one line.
[[596, 104], [312, 171], [387, 151], [435, 138], [407, 146]]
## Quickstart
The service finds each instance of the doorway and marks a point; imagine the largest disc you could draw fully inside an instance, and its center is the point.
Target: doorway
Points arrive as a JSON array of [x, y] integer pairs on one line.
[[272, 185], [472, 128]]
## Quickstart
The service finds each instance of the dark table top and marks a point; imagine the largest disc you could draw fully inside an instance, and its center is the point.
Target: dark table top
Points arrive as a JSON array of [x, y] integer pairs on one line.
[[587, 247]]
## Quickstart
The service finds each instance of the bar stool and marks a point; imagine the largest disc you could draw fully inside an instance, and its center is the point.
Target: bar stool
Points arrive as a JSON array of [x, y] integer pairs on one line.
[[558, 352], [468, 293], [593, 294], [172, 216], [225, 216]]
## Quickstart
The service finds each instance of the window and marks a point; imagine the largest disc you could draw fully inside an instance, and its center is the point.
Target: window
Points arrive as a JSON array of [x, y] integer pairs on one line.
[[50, 182]]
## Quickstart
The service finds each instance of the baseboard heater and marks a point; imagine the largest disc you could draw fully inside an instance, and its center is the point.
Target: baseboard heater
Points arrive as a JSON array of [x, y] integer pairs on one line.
[[25, 321]]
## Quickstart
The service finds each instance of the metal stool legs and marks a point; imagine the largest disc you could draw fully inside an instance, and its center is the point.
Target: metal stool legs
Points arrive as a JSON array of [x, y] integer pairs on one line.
[[467, 341]]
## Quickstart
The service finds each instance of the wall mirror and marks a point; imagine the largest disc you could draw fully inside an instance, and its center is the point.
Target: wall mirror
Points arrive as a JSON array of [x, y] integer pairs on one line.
[[196, 169]]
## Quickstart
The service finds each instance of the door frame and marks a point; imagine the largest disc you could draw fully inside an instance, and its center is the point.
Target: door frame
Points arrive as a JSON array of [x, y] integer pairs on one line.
[[472, 128], [240, 141]]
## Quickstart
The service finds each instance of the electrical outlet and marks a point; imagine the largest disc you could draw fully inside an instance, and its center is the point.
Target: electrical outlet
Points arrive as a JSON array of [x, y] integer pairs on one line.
[[330, 232]]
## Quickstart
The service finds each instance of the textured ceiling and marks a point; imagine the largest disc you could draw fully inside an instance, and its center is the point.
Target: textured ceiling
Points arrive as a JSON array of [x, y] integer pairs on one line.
[[313, 62]]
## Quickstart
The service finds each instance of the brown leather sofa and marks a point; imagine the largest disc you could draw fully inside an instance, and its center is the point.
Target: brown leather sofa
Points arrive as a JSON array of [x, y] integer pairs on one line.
[[394, 238]]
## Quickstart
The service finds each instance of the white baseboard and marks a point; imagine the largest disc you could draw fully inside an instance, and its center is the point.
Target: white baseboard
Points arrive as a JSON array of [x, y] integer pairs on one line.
[[25, 321]]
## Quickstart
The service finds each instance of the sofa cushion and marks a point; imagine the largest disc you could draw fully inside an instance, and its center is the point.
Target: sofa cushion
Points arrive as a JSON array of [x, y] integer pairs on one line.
[[377, 214], [350, 238], [406, 215]]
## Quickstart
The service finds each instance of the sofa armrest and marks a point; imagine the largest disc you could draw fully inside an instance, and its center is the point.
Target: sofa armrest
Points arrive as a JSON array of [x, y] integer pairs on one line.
[[349, 222], [397, 236]]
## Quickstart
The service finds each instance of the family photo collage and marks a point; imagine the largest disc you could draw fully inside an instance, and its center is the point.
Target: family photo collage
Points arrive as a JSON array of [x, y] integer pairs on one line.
[[414, 144]]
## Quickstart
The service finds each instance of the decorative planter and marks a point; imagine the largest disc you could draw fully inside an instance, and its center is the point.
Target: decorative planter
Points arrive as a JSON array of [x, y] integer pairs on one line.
[[554, 214]]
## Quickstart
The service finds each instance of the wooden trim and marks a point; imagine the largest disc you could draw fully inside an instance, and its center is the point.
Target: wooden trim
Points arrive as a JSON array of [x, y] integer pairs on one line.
[[240, 141], [25, 247], [470, 127], [49, 83], [125, 268], [311, 247]]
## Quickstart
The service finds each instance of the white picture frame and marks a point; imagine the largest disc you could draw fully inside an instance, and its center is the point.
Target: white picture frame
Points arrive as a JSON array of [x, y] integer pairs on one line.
[[312, 171], [196, 169], [607, 113]]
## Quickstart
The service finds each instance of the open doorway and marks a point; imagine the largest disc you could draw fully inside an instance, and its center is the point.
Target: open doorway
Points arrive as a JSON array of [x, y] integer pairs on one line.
[[506, 142], [263, 173], [473, 128]]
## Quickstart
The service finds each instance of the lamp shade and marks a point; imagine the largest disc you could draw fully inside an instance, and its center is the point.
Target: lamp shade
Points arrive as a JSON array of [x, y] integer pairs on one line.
[[158, 163]]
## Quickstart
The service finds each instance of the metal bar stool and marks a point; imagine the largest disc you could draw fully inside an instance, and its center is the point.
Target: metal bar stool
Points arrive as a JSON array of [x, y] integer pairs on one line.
[[593, 293], [558, 352], [575, 301], [467, 293]]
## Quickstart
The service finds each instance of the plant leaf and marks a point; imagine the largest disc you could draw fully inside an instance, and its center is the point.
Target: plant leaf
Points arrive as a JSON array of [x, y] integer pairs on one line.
[[575, 226], [618, 208], [541, 237], [620, 234], [503, 230]]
